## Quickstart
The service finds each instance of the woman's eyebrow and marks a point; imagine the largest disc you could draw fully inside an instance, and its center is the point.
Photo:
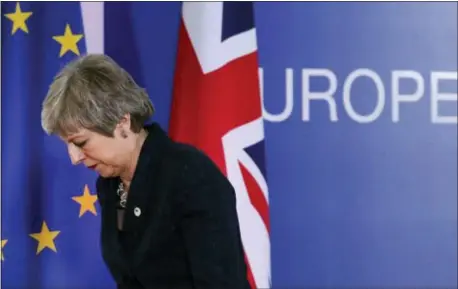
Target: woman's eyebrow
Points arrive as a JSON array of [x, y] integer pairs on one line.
[[73, 137]]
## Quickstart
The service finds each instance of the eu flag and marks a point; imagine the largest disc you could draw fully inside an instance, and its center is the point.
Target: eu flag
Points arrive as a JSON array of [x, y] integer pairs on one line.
[[50, 215]]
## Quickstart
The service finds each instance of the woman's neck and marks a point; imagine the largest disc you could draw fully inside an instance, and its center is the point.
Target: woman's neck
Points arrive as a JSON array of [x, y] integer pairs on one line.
[[128, 173]]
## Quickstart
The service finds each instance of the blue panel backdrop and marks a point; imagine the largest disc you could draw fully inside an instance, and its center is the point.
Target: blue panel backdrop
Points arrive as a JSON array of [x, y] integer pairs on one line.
[[361, 141], [361, 204]]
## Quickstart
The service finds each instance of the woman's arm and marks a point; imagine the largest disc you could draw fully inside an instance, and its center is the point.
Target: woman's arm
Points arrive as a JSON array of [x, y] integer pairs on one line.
[[211, 229]]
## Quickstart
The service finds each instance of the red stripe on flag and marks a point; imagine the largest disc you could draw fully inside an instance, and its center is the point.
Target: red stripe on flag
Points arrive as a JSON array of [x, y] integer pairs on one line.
[[206, 107], [257, 198]]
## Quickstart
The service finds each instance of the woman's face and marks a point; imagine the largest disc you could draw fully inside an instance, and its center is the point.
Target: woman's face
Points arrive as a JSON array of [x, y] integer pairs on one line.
[[105, 155]]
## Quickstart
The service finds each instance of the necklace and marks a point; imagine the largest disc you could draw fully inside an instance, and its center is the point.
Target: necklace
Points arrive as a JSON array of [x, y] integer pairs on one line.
[[122, 195]]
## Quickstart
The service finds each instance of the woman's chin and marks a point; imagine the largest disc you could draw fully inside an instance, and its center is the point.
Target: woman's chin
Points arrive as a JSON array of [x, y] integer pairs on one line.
[[106, 172]]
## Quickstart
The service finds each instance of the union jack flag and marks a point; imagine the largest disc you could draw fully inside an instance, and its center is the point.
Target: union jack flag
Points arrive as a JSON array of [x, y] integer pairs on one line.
[[217, 107]]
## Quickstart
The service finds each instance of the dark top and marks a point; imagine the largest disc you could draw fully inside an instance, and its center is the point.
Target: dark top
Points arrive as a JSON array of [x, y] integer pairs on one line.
[[180, 226]]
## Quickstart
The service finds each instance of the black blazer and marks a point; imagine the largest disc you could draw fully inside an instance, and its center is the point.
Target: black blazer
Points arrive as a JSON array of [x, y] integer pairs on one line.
[[180, 225]]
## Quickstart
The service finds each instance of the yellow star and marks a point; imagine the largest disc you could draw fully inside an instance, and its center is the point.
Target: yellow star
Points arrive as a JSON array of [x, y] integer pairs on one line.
[[45, 238], [69, 41], [19, 18], [87, 202], [3, 245]]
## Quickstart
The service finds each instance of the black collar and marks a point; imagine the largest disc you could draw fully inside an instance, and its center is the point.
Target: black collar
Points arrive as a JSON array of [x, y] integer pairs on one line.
[[153, 149]]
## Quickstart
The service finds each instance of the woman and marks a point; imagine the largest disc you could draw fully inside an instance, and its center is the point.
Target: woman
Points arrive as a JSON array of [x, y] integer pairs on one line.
[[169, 216]]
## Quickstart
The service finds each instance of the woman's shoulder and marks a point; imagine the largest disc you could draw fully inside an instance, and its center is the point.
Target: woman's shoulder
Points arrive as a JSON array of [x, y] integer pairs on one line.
[[193, 161], [199, 183], [193, 169]]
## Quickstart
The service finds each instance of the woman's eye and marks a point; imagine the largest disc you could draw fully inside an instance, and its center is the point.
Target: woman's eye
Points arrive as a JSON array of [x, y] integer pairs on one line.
[[80, 144]]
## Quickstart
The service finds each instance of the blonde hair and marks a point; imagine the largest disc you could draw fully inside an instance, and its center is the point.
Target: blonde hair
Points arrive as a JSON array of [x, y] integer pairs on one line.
[[94, 92]]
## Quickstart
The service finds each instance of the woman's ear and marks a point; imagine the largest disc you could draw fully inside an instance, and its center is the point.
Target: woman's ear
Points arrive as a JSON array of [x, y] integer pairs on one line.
[[124, 122], [123, 126]]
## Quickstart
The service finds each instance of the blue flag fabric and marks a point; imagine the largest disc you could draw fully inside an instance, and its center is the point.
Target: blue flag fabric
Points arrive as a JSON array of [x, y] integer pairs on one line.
[[50, 215]]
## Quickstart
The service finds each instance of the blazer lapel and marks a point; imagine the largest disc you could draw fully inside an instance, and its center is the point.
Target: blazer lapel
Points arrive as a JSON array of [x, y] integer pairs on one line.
[[111, 233]]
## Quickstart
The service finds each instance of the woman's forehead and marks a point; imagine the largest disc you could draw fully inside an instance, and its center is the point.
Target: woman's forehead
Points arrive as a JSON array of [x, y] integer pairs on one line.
[[73, 135]]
